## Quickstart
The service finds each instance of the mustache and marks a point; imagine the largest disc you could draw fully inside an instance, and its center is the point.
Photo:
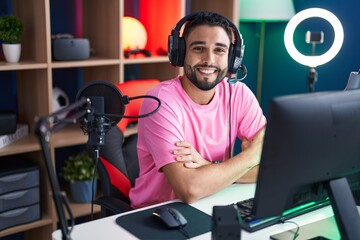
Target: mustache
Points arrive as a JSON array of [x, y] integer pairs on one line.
[[207, 66]]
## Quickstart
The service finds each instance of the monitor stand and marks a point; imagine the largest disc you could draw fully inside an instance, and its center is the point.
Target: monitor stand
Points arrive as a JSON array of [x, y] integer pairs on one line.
[[344, 223], [344, 207]]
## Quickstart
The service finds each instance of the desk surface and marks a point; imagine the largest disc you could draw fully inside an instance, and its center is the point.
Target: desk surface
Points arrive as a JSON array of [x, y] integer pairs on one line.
[[106, 228]]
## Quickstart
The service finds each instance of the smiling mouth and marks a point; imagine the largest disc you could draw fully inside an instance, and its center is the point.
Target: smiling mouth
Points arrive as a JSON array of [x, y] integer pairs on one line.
[[207, 71]]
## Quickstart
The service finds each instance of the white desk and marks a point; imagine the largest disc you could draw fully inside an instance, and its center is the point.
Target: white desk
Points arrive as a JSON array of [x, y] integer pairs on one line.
[[106, 228]]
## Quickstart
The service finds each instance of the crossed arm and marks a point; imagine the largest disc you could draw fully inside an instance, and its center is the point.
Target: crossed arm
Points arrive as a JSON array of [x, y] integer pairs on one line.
[[193, 177]]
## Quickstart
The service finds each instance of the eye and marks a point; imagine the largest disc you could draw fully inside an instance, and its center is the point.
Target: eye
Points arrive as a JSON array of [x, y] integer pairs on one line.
[[220, 50], [197, 49]]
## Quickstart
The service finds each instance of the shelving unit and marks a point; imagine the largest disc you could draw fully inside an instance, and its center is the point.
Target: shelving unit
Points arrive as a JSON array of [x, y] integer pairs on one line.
[[101, 24]]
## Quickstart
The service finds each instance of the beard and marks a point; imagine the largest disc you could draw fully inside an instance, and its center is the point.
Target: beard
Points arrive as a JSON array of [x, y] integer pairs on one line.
[[205, 85]]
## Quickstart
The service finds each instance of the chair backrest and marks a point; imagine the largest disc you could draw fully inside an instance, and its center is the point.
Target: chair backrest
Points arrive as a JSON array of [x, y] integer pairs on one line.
[[118, 162]]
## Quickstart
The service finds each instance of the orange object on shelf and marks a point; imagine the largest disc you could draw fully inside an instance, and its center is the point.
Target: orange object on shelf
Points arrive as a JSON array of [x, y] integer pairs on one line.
[[159, 21]]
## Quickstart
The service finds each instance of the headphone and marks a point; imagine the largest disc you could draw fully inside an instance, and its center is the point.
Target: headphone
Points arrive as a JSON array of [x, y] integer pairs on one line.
[[177, 46]]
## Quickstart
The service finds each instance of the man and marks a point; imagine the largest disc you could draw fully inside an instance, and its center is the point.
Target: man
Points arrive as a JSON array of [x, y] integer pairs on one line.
[[198, 122]]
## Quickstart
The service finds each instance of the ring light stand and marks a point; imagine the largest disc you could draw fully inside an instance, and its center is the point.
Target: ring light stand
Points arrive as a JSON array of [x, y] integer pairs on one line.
[[313, 61]]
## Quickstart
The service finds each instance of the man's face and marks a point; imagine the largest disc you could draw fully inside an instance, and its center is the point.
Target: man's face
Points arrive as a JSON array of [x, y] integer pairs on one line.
[[206, 58]]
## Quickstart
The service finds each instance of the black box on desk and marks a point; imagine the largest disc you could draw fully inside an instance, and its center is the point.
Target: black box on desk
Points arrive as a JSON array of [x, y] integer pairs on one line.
[[19, 192]]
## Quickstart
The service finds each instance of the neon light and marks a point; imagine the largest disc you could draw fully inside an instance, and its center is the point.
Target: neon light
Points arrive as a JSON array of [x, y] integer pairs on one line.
[[313, 61]]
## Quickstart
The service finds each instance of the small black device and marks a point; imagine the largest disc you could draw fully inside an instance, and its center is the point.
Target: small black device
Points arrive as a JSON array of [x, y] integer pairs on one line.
[[177, 45], [314, 37], [64, 49], [225, 223], [7, 122], [169, 216], [310, 155]]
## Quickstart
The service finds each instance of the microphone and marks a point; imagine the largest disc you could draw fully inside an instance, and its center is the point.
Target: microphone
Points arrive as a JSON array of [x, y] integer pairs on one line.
[[102, 98], [95, 123], [105, 107], [233, 80]]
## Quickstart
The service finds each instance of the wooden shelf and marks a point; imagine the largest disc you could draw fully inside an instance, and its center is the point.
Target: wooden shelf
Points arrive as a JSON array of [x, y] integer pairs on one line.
[[93, 61], [143, 60], [23, 65], [83, 209], [45, 221], [29, 143], [36, 73], [68, 136]]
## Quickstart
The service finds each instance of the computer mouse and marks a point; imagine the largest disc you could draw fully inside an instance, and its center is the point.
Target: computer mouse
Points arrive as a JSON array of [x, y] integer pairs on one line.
[[169, 216]]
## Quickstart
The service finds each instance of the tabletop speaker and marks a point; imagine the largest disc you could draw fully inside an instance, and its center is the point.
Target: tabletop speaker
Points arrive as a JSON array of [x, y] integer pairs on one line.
[[70, 49]]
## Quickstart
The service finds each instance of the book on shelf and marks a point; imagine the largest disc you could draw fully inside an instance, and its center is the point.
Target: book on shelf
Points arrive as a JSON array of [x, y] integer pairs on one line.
[[21, 131]]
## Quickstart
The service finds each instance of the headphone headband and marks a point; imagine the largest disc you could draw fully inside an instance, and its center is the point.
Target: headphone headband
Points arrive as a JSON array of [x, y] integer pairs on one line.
[[177, 46]]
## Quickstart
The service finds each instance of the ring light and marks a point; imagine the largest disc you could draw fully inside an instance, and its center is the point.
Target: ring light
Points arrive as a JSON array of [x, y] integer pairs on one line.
[[313, 61]]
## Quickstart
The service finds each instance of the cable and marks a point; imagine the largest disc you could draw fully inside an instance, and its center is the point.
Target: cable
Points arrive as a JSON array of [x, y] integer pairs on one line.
[[139, 116], [230, 121], [296, 234], [93, 184]]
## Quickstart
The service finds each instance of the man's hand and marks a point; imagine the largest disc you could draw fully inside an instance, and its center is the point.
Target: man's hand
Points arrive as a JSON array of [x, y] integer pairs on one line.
[[188, 155]]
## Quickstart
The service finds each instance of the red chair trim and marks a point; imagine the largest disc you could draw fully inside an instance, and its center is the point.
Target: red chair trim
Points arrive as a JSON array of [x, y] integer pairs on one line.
[[117, 178]]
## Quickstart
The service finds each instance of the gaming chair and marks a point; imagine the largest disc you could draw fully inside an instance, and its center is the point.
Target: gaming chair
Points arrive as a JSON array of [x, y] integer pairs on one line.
[[118, 164]]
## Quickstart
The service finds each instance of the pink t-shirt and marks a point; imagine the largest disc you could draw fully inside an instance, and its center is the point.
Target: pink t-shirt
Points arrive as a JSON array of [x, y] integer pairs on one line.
[[205, 126]]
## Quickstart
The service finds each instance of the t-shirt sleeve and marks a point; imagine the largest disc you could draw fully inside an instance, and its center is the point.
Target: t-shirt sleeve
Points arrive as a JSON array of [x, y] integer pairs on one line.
[[249, 113], [161, 131]]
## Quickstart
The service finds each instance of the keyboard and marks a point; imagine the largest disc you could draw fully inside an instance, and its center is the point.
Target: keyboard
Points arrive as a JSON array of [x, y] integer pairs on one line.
[[251, 224]]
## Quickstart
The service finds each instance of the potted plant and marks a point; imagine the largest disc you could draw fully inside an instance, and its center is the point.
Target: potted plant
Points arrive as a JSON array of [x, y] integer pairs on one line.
[[11, 30], [78, 171]]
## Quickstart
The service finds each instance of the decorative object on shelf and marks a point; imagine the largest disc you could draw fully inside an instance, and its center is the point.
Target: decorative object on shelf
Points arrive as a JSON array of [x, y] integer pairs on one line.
[[79, 171], [11, 30], [264, 11], [60, 100], [134, 37], [21, 131], [69, 49], [313, 61]]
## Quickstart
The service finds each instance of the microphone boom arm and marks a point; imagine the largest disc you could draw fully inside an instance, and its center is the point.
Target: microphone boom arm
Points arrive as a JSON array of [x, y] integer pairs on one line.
[[45, 126]]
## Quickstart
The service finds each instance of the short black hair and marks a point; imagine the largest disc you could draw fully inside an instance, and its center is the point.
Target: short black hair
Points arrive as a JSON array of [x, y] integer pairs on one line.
[[210, 19]]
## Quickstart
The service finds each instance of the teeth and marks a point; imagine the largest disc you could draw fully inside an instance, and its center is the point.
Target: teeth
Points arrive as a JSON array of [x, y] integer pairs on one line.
[[207, 71]]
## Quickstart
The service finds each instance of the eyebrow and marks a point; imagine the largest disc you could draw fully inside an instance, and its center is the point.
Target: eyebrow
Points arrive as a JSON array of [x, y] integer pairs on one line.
[[203, 42]]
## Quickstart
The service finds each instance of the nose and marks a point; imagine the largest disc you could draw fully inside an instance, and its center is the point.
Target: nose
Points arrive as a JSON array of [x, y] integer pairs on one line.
[[208, 57]]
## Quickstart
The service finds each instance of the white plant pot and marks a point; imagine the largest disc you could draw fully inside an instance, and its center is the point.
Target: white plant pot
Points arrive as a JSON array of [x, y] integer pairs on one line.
[[12, 52]]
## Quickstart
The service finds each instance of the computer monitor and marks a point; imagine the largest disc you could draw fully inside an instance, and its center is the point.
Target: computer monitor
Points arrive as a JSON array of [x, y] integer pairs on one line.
[[353, 81], [312, 142]]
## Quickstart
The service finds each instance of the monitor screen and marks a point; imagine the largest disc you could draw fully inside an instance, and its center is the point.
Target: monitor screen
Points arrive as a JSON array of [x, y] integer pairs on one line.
[[310, 140]]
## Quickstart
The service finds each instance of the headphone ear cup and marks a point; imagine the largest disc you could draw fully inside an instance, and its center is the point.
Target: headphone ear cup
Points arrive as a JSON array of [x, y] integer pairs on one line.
[[231, 59], [236, 54], [181, 52], [172, 49], [176, 50]]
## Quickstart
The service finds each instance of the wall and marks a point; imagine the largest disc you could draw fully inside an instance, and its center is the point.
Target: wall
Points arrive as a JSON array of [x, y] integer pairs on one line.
[[281, 74]]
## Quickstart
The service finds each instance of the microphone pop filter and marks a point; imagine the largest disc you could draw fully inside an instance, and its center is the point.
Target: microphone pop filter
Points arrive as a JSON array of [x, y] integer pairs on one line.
[[114, 103]]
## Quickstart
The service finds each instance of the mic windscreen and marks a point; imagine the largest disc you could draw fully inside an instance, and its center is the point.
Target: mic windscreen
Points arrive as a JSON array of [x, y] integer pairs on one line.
[[98, 104], [112, 98]]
